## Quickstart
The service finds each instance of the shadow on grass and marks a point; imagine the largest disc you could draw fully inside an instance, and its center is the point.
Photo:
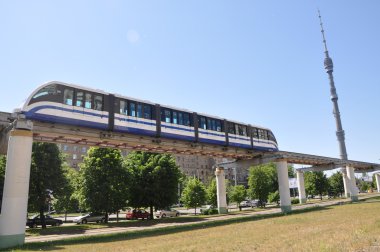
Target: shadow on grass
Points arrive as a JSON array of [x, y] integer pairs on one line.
[[129, 235], [81, 228]]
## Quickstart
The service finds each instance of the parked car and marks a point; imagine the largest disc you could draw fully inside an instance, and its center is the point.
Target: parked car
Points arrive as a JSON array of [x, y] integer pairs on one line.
[[249, 203], [166, 213], [35, 221], [90, 217], [137, 214]]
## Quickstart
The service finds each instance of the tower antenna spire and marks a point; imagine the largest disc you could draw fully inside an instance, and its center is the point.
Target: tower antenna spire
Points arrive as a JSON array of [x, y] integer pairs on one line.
[[328, 63], [323, 33]]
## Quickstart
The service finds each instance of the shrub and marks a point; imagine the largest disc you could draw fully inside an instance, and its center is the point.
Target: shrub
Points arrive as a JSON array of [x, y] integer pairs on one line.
[[295, 201], [210, 211]]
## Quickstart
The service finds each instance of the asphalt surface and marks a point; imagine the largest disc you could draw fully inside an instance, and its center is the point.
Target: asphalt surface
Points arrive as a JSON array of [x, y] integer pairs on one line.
[[113, 230]]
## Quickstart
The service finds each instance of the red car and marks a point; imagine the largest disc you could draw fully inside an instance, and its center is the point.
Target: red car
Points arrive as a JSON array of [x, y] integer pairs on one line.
[[137, 214]]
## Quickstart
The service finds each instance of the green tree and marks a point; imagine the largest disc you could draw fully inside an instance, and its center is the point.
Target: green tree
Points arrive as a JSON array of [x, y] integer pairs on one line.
[[260, 182], [336, 186], [316, 183], [104, 181], [274, 197], [271, 171], [211, 192], [194, 194], [364, 186], [155, 180], [46, 176], [66, 200], [237, 194], [2, 176]]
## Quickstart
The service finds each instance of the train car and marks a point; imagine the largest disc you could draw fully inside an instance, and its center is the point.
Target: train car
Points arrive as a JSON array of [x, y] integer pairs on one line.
[[59, 102]]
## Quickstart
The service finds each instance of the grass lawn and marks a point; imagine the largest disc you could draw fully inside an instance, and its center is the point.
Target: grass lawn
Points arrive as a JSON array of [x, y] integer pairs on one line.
[[348, 227]]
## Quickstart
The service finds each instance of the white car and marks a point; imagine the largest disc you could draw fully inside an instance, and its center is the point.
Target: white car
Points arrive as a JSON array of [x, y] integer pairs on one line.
[[166, 213], [90, 217]]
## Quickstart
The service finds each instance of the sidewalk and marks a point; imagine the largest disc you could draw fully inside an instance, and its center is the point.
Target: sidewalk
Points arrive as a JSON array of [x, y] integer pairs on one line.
[[113, 230]]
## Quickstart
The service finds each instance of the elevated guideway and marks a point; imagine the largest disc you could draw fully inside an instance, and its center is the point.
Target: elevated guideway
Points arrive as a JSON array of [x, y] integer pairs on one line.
[[18, 134]]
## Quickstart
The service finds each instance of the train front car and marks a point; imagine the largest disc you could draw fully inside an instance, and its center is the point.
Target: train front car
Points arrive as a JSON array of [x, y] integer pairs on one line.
[[57, 102]]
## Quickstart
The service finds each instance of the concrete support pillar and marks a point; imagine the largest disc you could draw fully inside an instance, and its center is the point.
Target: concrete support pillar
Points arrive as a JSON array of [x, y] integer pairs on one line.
[[283, 185], [346, 183], [377, 175], [16, 187], [301, 187], [352, 182], [221, 190]]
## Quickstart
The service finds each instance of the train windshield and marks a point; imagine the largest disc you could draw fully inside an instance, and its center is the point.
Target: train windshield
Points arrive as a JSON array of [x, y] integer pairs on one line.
[[47, 93]]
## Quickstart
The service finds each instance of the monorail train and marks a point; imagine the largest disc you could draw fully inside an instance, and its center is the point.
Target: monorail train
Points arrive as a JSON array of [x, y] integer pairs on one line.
[[59, 102]]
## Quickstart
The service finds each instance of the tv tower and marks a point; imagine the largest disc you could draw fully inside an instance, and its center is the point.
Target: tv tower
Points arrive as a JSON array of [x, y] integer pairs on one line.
[[334, 97]]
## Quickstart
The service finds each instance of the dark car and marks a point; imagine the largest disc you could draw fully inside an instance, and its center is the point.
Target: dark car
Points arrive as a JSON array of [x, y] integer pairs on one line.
[[137, 214], [35, 221]]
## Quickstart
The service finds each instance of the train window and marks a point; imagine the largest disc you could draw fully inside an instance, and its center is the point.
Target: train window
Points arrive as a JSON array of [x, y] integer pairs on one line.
[[202, 122], [218, 125], [88, 101], [271, 137], [209, 124], [180, 118], [123, 107], [186, 119], [68, 96], [242, 130], [79, 99], [98, 102], [175, 117], [254, 133], [139, 110], [147, 111], [231, 128], [48, 90], [262, 134], [132, 109], [167, 116]]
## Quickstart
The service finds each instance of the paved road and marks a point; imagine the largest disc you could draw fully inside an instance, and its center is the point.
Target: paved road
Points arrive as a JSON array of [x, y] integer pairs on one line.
[[112, 230]]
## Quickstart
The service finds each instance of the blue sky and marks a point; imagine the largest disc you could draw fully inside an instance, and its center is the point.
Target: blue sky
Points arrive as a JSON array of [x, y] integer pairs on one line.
[[259, 62]]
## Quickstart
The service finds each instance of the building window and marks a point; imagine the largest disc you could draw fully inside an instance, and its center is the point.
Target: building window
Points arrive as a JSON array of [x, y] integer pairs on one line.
[[65, 147], [84, 149], [75, 148], [75, 156]]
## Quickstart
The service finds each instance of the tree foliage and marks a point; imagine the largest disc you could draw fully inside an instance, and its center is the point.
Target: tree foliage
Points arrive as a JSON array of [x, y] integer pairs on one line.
[[46, 176], [237, 194], [274, 197], [66, 200], [260, 181], [104, 181], [194, 194], [155, 180], [336, 185], [316, 183], [211, 192]]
